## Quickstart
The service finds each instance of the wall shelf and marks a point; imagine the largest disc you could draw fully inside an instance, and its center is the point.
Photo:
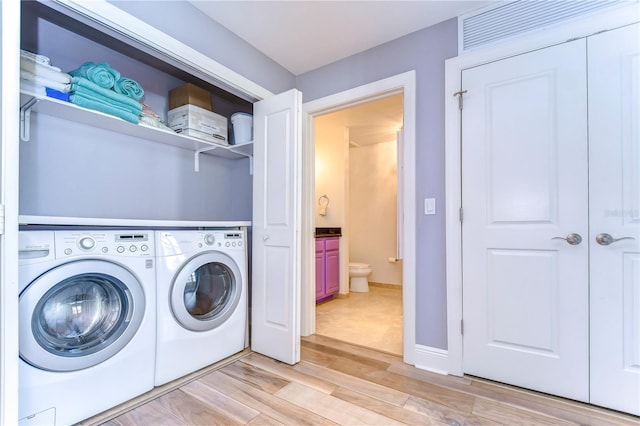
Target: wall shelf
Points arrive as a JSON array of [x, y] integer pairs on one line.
[[32, 103]]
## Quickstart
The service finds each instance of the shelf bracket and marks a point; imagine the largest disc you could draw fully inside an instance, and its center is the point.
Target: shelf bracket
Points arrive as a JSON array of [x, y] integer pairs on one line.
[[196, 165], [25, 119], [244, 154]]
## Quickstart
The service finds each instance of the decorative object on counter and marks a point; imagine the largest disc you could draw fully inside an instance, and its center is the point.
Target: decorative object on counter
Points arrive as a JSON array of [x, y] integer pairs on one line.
[[38, 76], [101, 74], [323, 201], [242, 127]]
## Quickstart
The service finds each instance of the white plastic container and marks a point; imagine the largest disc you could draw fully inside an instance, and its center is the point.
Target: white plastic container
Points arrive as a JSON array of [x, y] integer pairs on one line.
[[242, 127]]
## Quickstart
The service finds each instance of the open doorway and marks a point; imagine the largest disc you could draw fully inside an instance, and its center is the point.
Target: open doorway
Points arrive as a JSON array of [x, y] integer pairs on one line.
[[356, 185], [403, 85]]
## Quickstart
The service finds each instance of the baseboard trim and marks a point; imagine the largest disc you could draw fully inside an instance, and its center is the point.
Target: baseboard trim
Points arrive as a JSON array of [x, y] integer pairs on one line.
[[432, 359]]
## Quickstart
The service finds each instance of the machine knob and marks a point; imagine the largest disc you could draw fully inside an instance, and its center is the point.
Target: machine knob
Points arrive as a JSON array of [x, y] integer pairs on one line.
[[209, 239], [87, 243]]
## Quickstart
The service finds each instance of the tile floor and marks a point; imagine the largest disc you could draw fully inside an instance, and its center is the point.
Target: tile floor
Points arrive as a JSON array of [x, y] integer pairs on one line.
[[372, 319]]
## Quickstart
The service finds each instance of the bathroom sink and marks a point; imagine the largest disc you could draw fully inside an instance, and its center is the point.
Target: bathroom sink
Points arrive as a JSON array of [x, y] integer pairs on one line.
[[328, 232]]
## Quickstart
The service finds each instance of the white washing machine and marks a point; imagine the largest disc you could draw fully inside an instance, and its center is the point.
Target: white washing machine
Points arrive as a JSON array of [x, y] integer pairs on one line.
[[201, 279], [87, 316]]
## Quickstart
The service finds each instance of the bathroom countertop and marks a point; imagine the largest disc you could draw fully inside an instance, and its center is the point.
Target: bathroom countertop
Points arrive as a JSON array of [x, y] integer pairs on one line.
[[328, 232]]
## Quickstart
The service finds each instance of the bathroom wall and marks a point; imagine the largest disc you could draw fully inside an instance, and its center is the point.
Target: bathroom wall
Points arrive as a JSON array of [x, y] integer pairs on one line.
[[372, 210], [331, 173], [331, 168]]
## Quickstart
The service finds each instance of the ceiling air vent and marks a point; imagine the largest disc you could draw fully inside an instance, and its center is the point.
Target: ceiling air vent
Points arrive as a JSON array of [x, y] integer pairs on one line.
[[507, 20]]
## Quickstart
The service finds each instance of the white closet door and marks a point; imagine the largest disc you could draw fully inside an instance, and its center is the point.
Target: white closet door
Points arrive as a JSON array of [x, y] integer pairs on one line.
[[614, 175], [524, 189], [275, 315]]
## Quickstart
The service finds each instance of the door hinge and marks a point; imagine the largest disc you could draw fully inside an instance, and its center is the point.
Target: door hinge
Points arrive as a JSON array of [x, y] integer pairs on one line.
[[1, 219], [461, 214], [462, 327], [459, 95]]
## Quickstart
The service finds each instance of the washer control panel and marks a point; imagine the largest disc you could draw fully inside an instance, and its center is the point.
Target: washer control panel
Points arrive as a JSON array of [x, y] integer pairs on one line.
[[114, 243]]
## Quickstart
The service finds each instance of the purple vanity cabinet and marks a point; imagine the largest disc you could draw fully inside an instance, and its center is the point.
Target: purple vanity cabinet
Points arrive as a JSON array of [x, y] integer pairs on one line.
[[327, 267]]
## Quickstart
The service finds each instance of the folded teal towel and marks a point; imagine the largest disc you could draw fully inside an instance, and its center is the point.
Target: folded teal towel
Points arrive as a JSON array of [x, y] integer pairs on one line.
[[101, 74], [96, 105], [129, 87], [87, 88], [89, 94]]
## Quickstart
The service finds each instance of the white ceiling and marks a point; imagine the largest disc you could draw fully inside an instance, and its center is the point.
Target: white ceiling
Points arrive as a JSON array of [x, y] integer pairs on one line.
[[305, 35], [370, 123]]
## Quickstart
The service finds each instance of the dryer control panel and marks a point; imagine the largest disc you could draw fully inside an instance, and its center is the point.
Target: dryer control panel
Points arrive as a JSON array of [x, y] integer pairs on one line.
[[113, 243], [222, 239]]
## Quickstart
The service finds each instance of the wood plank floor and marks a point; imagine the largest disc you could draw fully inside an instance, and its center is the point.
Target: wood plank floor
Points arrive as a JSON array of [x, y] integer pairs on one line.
[[340, 383]]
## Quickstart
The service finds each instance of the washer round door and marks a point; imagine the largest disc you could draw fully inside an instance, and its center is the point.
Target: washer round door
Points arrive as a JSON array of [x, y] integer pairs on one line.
[[79, 314], [206, 291]]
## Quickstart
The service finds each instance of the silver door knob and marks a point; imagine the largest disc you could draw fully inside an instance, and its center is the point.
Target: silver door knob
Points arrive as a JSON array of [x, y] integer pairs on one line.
[[606, 239], [265, 237], [573, 239]]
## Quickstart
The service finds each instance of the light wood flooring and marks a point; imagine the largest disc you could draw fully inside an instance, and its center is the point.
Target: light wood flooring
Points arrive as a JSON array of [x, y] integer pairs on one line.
[[372, 319], [340, 383]]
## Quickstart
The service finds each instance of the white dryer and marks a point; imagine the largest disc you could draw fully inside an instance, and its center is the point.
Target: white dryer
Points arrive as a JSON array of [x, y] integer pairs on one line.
[[87, 314], [201, 279]]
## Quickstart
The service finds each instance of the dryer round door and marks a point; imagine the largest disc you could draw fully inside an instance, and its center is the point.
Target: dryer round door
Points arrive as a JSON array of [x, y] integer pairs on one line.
[[206, 291], [79, 314]]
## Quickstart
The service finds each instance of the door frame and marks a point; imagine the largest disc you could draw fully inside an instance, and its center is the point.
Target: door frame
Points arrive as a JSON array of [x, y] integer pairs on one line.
[[404, 83], [453, 177], [9, 289]]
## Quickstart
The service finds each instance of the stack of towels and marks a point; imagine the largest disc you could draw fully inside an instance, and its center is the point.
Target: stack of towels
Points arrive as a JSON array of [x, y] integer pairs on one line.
[[38, 76], [99, 87]]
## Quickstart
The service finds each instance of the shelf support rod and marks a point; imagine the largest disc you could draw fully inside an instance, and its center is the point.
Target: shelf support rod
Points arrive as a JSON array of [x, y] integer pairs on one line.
[[196, 165], [25, 119]]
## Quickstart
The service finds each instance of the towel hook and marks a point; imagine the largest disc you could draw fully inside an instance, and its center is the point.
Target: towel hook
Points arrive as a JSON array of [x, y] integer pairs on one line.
[[323, 201]]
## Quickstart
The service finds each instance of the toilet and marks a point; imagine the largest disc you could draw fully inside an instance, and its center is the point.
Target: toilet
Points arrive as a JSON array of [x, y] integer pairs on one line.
[[358, 273]]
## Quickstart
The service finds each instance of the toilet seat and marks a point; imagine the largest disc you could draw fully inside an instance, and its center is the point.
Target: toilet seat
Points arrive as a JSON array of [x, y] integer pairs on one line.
[[358, 265]]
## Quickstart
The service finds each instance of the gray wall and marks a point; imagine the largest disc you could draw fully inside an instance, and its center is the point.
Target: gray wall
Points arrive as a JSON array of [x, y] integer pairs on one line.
[[188, 24], [425, 52]]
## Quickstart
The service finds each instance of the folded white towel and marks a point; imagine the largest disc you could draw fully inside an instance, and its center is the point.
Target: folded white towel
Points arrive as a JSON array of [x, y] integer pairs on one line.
[[40, 71], [35, 57], [32, 88], [44, 81], [34, 66]]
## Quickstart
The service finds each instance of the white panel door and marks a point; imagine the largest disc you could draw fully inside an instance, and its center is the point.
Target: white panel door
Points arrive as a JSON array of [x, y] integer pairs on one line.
[[525, 198], [275, 314], [614, 175]]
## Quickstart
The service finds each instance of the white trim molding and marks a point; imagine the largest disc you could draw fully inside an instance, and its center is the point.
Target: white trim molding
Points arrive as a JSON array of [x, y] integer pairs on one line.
[[402, 83], [432, 359], [615, 18]]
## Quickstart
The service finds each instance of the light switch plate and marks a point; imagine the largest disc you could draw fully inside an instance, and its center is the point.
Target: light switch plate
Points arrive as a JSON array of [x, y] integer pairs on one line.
[[429, 206]]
